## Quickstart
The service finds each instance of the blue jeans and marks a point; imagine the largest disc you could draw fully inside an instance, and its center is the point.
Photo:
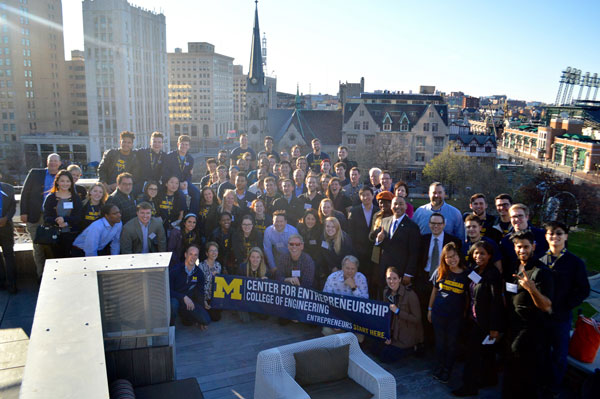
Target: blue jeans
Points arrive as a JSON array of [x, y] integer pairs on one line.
[[559, 350], [446, 331], [199, 314]]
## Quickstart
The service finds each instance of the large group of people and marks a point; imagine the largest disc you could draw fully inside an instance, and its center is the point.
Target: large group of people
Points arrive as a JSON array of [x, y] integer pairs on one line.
[[454, 281]]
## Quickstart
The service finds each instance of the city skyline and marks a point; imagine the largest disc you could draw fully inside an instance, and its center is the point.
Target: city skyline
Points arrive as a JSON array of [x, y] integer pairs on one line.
[[452, 46]]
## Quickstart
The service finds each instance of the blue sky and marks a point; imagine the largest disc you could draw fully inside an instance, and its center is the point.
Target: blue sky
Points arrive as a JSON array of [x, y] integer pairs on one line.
[[517, 48]]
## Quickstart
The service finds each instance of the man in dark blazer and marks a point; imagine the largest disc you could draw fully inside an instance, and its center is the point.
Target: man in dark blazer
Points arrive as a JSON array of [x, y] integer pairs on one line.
[[132, 236], [7, 241], [360, 219], [398, 238], [429, 260], [36, 188]]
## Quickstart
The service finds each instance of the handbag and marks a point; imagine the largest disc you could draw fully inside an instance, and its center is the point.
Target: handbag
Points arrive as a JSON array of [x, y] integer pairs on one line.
[[585, 341], [46, 235]]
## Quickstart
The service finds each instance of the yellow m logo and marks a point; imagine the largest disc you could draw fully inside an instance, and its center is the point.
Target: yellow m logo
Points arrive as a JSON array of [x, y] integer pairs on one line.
[[232, 289]]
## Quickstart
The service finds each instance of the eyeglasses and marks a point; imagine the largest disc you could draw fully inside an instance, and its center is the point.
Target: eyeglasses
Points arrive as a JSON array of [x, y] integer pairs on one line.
[[521, 216], [246, 224], [294, 244]]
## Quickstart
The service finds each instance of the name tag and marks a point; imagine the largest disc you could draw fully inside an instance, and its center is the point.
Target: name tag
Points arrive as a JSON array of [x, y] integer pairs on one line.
[[67, 205], [307, 206], [510, 287], [232, 218], [279, 245], [325, 245], [476, 278], [295, 273], [312, 242], [151, 236]]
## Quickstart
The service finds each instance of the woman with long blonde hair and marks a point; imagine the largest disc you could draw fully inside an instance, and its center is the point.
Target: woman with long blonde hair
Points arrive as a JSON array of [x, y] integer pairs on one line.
[[334, 246]]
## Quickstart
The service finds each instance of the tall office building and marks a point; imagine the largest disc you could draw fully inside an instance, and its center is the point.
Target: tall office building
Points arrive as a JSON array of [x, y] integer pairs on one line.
[[75, 71], [31, 72], [126, 73], [239, 99], [200, 94]]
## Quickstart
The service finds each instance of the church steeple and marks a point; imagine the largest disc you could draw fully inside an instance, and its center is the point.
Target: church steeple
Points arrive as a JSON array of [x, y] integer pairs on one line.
[[256, 74]]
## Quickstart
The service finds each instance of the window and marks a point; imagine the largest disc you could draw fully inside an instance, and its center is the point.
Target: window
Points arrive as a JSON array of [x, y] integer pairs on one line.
[[361, 112], [421, 140], [351, 139], [438, 141], [472, 148], [356, 125], [425, 127], [430, 114], [488, 149], [365, 125], [434, 127], [387, 127], [420, 157], [370, 140]]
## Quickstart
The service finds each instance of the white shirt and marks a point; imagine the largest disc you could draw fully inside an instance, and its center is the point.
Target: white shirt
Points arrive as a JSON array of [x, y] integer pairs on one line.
[[440, 245], [367, 214]]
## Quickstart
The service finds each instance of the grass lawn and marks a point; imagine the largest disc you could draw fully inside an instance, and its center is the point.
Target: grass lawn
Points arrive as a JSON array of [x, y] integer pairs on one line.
[[585, 243]]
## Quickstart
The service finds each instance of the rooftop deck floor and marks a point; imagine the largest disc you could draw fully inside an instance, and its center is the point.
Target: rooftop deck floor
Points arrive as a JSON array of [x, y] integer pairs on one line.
[[223, 358]]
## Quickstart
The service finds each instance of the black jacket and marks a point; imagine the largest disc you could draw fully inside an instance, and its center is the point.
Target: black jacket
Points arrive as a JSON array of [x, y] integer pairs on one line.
[[8, 201], [294, 210], [108, 170], [73, 219], [488, 301], [32, 195], [148, 165], [359, 232], [172, 166], [571, 284], [241, 245]]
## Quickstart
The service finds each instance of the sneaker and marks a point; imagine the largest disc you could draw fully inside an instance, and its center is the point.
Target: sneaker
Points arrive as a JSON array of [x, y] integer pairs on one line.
[[444, 376], [464, 391]]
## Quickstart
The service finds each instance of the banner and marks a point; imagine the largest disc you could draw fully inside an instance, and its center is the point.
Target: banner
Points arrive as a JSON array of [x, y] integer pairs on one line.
[[364, 316]]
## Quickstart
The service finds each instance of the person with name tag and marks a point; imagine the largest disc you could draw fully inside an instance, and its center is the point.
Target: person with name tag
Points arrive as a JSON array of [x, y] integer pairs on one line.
[[187, 285], [311, 230], [447, 307], [311, 199], [144, 234], [571, 288], [406, 329], [529, 295], [485, 321], [429, 259], [63, 209], [295, 266], [292, 206], [335, 244], [223, 236], [244, 197]]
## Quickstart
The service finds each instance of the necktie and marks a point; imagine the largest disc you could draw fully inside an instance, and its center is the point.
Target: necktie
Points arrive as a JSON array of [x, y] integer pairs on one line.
[[435, 256], [394, 227]]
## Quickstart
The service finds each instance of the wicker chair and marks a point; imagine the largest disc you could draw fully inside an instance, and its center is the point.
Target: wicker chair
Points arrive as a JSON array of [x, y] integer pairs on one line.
[[276, 368]]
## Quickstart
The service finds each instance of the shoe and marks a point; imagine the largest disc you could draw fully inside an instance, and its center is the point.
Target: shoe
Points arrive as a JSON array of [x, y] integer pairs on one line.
[[444, 376], [437, 371], [464, 391]]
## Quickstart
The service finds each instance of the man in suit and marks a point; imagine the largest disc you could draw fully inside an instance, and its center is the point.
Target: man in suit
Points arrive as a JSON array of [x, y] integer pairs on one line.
[[8, 278], [143, 234], [430, 250], [398, 238], [360, 220], [36, 188]]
